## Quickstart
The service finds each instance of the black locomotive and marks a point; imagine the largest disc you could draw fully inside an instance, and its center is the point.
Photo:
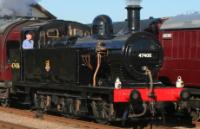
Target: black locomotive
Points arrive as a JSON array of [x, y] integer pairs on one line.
[[100, 75], [77, 74]]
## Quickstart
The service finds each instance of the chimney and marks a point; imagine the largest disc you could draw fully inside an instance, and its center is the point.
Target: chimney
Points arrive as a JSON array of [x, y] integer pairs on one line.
[[133, 15]]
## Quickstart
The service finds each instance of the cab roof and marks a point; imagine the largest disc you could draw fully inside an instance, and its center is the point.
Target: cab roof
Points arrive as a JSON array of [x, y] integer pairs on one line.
[[5, 23]]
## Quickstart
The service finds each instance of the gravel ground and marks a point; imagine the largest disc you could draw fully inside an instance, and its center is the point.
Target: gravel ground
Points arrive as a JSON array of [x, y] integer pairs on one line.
[[33, 122], [44, 124]]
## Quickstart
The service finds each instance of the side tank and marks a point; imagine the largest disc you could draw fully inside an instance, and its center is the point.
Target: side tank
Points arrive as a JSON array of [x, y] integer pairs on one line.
[[127, 56]]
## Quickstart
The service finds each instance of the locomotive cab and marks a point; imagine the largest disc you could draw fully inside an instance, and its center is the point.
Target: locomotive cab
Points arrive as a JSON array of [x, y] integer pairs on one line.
[[45, 62]]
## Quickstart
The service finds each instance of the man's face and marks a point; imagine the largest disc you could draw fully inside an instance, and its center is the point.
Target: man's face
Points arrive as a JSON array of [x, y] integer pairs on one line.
[[29, 36]]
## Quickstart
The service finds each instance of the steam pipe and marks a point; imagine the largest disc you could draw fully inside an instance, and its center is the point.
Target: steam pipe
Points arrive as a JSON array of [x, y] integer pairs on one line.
[[97, 69], [133, 17], [101, 51]]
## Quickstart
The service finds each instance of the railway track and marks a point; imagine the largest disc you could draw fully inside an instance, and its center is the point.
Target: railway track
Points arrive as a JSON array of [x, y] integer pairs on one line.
[[73, 123], [66, 122]]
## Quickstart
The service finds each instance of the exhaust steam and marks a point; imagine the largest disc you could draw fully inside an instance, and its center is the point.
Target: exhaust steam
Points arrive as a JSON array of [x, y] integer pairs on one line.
[[16, 8]]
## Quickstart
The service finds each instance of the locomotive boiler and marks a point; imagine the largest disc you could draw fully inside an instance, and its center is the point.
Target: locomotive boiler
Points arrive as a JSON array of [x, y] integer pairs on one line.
[[102, 75]]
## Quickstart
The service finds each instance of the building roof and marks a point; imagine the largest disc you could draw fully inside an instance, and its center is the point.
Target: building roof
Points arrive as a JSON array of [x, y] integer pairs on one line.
[[182, 22], [44, 14], [37, 11]]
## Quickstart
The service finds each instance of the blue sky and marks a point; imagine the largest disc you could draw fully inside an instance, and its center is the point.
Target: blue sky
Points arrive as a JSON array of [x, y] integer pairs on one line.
[[85, 10]]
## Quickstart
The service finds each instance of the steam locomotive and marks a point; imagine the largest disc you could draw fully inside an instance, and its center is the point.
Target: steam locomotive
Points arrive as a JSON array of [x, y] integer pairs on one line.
[[103, 76]]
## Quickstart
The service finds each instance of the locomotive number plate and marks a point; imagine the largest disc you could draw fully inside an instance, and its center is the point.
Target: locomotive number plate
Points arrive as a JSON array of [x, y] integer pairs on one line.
[[15, 65]]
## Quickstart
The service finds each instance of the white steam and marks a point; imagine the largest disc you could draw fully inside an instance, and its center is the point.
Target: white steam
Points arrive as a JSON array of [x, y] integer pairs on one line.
[[16, 7], [133, 2]]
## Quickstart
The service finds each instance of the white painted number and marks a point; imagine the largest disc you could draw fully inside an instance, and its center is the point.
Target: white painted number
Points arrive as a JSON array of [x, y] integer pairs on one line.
[[145, 55]]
